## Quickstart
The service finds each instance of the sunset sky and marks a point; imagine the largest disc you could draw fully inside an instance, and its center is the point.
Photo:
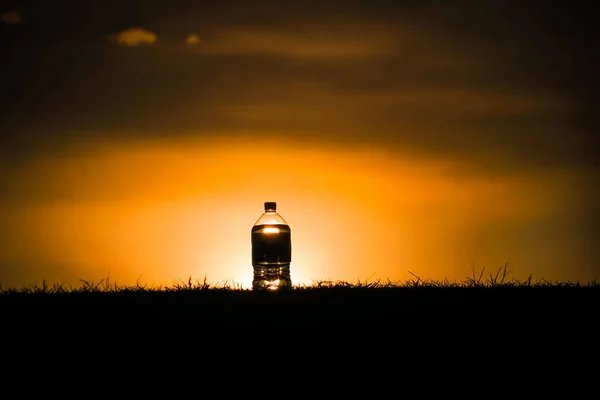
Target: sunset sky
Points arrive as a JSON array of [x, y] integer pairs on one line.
[[139, 139]]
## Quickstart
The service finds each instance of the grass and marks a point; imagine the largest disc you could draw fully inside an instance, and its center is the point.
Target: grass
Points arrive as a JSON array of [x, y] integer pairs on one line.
[[479, 302], [499, 279], [487, 317]]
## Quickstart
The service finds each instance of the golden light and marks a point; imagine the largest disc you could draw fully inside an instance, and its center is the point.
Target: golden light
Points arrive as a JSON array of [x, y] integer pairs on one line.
[[271, 230], [159, 212]]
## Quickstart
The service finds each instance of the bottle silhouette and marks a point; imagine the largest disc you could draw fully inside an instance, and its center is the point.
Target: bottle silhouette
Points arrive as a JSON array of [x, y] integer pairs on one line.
[[271, 250]]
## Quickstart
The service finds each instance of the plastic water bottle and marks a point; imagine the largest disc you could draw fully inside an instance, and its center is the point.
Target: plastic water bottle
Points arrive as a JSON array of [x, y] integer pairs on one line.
[[271, 250]]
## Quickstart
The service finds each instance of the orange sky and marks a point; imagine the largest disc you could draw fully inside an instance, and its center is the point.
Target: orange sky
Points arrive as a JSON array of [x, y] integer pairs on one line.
[[160, 212], [140, 140]]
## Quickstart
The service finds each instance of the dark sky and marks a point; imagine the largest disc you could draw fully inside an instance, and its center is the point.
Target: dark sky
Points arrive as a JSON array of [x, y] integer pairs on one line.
[[500, 89], [525, 68]]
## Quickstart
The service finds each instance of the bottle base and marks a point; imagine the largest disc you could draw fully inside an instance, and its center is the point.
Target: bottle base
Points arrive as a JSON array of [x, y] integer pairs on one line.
[[277, 284], [271, 277]]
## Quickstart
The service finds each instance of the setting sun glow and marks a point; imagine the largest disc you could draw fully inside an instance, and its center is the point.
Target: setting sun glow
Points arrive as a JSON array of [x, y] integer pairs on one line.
[[160, 212]]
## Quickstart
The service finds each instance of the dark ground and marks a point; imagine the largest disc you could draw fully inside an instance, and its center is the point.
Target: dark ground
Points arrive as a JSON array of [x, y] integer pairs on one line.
[[471, 340], [468, 307]]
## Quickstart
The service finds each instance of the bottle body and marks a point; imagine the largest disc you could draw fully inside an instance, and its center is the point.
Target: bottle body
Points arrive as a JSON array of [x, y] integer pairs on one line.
[[271, 252]]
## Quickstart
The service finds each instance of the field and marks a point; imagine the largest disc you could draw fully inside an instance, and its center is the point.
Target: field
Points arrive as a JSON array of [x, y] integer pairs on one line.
[[492, 303], [475, 327]]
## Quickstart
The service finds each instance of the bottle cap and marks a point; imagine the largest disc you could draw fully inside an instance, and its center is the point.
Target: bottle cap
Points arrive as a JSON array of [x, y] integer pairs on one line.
[[270, 205]]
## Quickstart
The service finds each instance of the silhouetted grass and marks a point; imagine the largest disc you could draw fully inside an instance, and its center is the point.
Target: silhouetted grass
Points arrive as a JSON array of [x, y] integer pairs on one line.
[[484, 305], [106, 286], [480, 297], [485, 317]]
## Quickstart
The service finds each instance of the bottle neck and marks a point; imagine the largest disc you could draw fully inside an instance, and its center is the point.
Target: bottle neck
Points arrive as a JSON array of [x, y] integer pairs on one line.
[[270, 217]]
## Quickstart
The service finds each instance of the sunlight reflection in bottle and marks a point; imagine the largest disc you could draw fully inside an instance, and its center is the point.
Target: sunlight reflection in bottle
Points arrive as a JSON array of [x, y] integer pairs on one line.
[[273, 285]]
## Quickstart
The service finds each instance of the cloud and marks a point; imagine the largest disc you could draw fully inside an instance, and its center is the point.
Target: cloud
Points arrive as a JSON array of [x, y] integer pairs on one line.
[[133, 37], [192, 39], [314, 43], [11, 17]]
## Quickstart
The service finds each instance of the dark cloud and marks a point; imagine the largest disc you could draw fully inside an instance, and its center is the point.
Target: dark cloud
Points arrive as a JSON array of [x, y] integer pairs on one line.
[[133, 37], [11, 17], [192, 39], [482, 79]]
